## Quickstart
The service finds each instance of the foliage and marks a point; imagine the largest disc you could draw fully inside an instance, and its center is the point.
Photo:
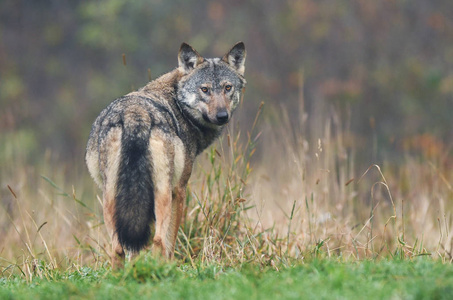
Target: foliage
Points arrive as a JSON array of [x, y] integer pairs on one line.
[[62, 63]]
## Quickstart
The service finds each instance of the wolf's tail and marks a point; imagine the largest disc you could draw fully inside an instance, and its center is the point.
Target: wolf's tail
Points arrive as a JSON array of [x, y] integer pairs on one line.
[[134, 206]]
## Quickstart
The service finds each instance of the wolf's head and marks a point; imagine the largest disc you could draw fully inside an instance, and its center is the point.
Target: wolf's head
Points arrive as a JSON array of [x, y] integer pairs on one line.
[[210, 88]]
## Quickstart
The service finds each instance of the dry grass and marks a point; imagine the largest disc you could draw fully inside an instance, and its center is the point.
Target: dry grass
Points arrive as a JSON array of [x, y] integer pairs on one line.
[[317, 198], [301, 197]]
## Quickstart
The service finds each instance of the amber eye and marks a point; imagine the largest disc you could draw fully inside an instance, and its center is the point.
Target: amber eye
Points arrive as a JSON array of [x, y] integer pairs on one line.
[[204, 89], [228, 87]]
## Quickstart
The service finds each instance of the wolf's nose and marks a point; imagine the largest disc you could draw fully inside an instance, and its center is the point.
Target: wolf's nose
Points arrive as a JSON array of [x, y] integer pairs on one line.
[[222, 117]]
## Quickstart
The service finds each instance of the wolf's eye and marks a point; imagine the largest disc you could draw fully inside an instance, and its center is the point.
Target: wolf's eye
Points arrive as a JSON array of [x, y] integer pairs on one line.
[[204, 89], [228, 87]]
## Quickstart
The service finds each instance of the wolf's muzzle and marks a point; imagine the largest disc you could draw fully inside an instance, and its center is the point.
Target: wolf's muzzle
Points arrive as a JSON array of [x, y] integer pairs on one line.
[[222, 117]]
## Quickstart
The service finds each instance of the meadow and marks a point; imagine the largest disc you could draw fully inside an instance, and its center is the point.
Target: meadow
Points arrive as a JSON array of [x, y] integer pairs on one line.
[[339, 186], [273, 210]]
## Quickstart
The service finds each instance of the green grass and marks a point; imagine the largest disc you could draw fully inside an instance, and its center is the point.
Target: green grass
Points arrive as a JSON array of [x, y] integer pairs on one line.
[[422, 278]]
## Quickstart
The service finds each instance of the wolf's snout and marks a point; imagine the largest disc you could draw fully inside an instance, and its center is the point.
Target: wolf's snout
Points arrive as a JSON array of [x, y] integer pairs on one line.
[[222, 117]]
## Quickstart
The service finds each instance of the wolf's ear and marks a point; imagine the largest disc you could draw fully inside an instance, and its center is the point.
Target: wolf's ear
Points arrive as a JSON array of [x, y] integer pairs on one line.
[[236, 57], [188, 58]]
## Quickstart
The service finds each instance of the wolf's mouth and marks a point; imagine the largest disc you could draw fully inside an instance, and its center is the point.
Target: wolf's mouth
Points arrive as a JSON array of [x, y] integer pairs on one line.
[[215, 121]]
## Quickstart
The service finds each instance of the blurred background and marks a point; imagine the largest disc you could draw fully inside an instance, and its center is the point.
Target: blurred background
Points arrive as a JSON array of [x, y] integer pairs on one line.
[[383, 67]]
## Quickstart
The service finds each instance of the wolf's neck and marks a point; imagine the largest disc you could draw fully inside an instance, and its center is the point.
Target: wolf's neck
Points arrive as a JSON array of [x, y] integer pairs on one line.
[[199, 132], [165, 84], [198, 135]]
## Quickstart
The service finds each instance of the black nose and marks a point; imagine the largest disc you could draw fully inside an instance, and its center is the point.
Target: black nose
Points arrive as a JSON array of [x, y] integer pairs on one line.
[[222, 117]]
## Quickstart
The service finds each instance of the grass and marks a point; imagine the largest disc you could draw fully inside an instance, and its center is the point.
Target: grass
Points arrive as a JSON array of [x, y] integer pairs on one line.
[[318, 279], [289, 215]]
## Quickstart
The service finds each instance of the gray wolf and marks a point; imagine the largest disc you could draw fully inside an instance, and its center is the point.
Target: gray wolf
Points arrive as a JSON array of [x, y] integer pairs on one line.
[[142, 147]]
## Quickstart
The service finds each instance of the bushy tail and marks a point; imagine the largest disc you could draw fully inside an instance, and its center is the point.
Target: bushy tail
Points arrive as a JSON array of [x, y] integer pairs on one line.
[[134, 207]]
